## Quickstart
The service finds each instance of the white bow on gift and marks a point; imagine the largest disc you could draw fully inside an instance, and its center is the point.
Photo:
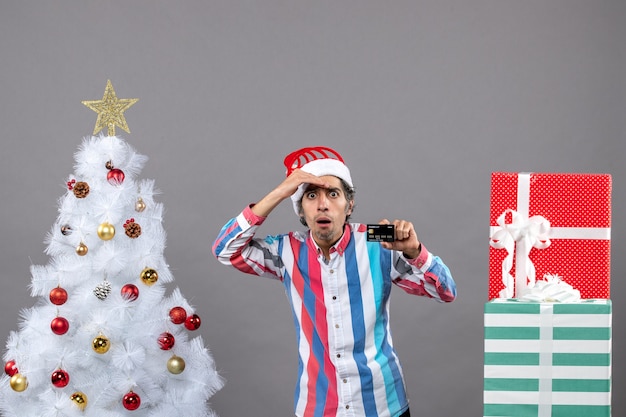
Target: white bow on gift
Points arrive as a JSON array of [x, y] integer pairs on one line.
[[525, 233], [551, 289]]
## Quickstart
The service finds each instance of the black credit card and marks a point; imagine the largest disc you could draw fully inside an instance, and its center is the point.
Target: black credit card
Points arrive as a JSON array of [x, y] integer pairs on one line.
[[381, 233]]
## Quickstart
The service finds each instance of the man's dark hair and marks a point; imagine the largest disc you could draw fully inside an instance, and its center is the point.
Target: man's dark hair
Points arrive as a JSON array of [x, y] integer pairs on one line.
[[347, 191]]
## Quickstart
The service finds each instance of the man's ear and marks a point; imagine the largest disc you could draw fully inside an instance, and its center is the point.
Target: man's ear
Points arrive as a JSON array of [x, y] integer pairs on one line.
[[350, 206]]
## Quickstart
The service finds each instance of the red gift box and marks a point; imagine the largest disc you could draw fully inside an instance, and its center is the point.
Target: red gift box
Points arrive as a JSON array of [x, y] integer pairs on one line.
[[548, 223]]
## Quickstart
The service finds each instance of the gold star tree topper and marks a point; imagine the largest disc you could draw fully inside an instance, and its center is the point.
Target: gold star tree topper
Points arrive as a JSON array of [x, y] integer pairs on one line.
[[110, 110]]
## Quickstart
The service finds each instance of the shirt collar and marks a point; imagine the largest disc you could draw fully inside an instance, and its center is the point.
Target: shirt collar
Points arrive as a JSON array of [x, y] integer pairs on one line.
[[339, 247]]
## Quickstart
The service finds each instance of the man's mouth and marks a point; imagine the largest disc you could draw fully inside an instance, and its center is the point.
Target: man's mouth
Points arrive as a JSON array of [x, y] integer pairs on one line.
[[323, 221]]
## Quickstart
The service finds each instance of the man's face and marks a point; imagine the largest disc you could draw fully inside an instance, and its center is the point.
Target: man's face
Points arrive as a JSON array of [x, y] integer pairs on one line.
[[325, 211]]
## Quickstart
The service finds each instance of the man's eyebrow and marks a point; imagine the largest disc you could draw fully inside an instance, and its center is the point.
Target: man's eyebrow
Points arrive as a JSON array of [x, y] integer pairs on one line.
[[330, 189]]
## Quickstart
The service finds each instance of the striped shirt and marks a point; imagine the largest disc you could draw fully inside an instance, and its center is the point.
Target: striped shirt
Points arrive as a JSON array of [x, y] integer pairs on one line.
[[347, 363]]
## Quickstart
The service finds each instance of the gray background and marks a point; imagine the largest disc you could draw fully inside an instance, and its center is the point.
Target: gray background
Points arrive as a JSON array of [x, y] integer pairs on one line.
[[424, 99]]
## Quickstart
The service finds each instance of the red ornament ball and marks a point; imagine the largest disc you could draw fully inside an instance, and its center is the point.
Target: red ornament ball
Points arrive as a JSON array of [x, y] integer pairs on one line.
[[131, 401], [166, 341], [115, 176], [193, 322], [10, 368], [59, 325], [130, 292], [60, 378], [178, 315], [58, 296]]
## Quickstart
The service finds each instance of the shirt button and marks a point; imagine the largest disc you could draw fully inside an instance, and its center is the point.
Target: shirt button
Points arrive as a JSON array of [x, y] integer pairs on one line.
[[336, 326], [347, 407], [332, 271], [339, 355], [334, 297], [345, 381]]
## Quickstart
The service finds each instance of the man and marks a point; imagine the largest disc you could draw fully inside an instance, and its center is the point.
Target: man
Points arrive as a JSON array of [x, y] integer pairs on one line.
[[338, 284]]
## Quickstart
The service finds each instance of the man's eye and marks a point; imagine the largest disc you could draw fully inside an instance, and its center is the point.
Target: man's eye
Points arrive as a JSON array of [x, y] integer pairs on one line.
[[310, 195], [333, 194]]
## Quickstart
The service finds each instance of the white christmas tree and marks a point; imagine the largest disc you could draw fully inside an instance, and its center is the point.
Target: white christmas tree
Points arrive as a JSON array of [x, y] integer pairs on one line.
[[105, 338]]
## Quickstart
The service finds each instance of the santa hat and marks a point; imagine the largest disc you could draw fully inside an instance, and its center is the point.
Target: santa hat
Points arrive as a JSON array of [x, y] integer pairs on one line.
[[317, 160]]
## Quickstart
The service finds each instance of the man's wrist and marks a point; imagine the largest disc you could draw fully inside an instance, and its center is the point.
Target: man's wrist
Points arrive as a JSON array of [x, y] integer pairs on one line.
[[252, 218], [413, 254], [422, 260]]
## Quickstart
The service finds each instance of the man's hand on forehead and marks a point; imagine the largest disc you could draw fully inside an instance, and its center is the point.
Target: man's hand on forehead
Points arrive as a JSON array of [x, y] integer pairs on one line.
[[310, 179]]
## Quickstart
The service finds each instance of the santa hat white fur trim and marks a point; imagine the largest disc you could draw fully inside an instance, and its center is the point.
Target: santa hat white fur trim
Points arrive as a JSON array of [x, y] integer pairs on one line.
[[321, 167]]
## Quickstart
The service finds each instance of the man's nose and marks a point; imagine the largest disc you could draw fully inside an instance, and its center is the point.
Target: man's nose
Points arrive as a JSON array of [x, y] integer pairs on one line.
[[322, 202]]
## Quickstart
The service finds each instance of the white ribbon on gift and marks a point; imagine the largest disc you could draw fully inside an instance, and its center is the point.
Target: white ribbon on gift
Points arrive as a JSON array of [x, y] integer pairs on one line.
[[525, 233], [546, 348]]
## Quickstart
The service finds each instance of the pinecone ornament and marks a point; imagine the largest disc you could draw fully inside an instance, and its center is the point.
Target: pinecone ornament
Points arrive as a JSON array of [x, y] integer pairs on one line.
[[81, 189], [103, 290], [133, 230]]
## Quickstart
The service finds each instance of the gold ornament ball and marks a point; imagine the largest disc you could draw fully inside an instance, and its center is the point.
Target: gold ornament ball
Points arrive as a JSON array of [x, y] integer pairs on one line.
[[82, 249], [19, 382], [80, 399], [176, 364], [106, 231], [101, 344], [140, 205], [149, 276]]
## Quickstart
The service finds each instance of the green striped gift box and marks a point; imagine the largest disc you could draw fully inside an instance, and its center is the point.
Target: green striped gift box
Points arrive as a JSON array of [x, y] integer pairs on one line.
[[547, 359]]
